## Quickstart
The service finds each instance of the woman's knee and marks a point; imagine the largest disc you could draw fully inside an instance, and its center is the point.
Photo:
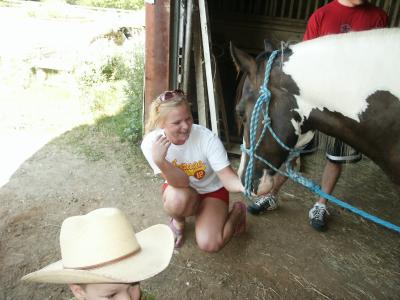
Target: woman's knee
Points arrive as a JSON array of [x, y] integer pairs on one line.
[[180, 203], [209, 243], [175, 207]]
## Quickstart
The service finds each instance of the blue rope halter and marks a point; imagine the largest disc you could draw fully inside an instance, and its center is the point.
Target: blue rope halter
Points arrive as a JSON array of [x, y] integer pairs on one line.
[[264, 99]]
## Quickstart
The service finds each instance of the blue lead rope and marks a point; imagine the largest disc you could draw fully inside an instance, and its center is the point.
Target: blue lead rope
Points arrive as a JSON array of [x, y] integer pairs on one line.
[[264, 99], [265, 96]]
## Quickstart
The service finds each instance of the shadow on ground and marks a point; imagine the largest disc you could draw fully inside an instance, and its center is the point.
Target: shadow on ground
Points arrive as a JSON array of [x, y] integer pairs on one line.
[[280, 257]]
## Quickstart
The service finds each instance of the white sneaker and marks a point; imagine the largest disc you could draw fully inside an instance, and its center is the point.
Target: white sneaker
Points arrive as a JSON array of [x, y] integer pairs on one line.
[[262, 204], [317, 216]]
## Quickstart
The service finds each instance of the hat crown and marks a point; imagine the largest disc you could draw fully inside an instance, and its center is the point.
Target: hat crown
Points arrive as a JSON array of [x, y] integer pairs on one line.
[[97, 238]]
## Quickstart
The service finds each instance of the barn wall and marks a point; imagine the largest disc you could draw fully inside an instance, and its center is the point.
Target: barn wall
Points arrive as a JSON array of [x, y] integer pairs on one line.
[[292, 9], [248, 23]]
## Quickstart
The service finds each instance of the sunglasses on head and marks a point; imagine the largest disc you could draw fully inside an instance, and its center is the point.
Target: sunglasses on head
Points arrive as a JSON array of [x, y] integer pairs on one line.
[[170, 94]]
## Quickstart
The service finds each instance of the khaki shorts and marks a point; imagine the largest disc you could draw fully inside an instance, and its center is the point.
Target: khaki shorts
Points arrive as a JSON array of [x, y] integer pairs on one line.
[[339, 152]]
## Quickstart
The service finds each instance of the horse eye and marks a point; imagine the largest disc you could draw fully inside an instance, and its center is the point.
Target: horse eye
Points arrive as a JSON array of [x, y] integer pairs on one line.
[[240, 110]]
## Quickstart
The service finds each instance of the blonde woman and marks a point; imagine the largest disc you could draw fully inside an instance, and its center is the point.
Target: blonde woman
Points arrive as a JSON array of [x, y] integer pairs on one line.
[[197, 172]]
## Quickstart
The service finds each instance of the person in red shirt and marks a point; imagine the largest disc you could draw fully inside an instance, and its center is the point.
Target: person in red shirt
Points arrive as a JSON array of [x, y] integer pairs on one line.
[[342, 16], [338, 16]]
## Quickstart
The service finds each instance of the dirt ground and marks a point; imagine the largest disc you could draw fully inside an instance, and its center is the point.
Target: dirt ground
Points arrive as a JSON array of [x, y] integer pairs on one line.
[[280, 256], [53, 167]]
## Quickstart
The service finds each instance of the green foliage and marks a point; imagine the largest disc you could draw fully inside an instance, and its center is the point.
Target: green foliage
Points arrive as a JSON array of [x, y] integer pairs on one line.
[[121, 4], [127, 124], [116, 69], [91, 153], [111, 83], [133, 111]]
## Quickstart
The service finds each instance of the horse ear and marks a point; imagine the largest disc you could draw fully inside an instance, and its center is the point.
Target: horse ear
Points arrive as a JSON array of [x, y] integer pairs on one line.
[[243, 61], [268, 46]]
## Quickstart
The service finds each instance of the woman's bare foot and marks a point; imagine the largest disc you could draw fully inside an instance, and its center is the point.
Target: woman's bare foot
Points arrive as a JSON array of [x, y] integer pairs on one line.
[[241, 208], [178, 230]]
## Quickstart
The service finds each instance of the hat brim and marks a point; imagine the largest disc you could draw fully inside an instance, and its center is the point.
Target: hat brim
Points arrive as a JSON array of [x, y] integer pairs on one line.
[[157, 245]]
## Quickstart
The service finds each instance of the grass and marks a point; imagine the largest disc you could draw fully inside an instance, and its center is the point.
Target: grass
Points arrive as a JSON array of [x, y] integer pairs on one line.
[[121, 4], [116, 108], [120, 125], [100, 111], [55, 12], [96, 110], [112, 84], [91, 153]]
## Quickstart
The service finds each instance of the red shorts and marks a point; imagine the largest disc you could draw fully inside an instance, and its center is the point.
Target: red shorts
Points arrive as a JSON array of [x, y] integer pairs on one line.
[[221, 194]]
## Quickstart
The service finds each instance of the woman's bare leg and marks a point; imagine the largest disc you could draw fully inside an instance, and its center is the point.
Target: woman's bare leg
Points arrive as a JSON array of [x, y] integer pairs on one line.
[[215, 226], [180, 203]]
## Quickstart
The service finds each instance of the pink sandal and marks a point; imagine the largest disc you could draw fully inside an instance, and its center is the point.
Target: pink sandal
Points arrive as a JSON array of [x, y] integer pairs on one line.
[[178, 233], [242, 225]]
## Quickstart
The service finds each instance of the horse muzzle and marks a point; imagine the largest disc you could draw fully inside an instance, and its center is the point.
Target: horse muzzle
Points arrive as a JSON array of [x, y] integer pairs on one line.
[[264, 184]]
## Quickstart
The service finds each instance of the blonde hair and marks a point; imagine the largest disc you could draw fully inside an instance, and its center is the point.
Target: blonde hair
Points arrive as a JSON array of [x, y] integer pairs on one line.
[[159, 109]]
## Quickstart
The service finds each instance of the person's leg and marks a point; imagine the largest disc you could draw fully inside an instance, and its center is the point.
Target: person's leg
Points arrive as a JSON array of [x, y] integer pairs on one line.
[[215, 226], [180, 203], [279, 181], [318, 212], [337, 153], [330, 176]]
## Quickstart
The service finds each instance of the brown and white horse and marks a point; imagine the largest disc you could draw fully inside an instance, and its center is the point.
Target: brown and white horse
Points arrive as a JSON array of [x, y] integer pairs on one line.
[[345, 85]]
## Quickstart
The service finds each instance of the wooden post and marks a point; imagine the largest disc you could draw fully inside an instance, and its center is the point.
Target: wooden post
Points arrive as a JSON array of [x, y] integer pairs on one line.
[[221, 103], [157, 51], [181, 43], [188, 45], [207, 60], [198, 64]]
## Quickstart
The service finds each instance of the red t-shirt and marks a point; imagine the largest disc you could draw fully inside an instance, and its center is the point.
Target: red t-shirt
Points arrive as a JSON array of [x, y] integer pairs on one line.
[[336, 18]]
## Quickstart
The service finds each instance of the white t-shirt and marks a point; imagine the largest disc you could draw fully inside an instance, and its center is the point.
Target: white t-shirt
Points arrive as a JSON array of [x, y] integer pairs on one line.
[[202, 155]]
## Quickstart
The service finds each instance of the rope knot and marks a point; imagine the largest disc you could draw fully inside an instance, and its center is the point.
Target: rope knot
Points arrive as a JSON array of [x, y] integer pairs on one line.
[[267, 121], [265, 93]]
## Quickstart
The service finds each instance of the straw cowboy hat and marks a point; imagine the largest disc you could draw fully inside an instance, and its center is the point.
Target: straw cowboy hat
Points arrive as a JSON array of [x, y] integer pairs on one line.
[[102, 247]]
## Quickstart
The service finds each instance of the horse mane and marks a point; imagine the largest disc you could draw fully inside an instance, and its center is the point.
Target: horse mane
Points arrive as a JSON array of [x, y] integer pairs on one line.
[[240, 82], [260, 59]]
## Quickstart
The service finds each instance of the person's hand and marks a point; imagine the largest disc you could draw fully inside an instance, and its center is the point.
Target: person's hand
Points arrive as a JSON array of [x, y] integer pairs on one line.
[[160, 148]]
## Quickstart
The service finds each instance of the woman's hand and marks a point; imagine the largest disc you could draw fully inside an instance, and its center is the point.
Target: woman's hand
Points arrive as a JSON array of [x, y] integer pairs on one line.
[[160, 149], [230, 180], [174, 176]]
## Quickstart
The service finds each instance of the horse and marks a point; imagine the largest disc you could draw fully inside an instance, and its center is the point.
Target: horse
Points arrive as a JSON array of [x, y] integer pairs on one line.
[[345, 85]]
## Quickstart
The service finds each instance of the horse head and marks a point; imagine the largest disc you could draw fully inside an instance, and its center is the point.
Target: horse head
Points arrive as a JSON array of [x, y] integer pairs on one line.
[[285, 121]]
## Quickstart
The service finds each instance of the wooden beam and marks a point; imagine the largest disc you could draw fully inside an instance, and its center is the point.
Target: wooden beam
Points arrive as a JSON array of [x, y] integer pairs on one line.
[[205, 34], [299, 9], [198, 65], [291, 14], [221, 103], [395, 15], [188, 45], [157, 47]]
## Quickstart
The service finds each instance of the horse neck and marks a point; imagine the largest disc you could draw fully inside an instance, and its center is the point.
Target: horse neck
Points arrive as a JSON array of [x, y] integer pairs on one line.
[[353, 133], [335, 124]]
